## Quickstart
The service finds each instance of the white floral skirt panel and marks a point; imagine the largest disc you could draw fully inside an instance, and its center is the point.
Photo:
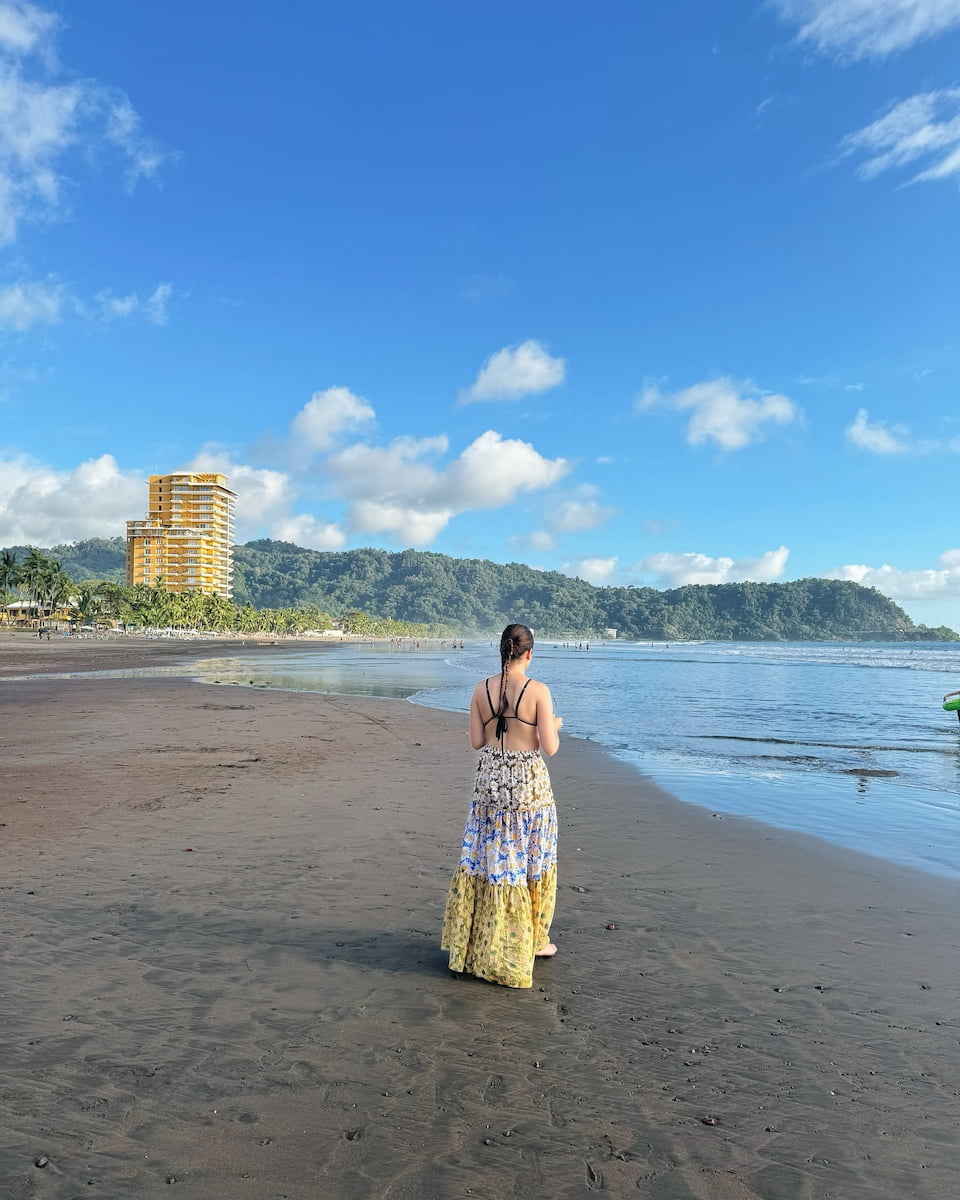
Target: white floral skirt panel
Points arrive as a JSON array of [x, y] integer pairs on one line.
[[511, 830]]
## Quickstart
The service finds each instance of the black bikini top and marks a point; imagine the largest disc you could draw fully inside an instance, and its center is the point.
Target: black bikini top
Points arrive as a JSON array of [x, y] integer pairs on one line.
[[503, 719]]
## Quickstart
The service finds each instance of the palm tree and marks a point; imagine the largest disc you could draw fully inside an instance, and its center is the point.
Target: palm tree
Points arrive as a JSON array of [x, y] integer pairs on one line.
[[113, 598], [194, 608], [47, 585], [163, 610], [248, 619], [9, 571], [9, 577], [33, 572], [86, 604], [59, 588], [221, 613]]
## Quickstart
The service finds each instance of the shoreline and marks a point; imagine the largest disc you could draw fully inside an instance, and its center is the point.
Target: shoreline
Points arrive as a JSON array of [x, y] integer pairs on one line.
[[222, 913], [87, 659], [26, 654]]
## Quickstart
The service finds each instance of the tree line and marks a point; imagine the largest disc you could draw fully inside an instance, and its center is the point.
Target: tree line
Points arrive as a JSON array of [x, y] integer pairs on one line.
[[49, 590], [459, 595], [480, 596]]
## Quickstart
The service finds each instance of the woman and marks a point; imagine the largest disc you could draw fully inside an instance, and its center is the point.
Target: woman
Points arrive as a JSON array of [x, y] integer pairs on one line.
[[501, 900]]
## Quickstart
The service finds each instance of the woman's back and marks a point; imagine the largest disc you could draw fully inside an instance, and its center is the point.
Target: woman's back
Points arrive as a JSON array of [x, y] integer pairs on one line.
[[528, 722]]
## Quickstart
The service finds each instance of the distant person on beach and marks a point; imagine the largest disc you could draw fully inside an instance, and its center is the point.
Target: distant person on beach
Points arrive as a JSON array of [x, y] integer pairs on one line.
[[501, 901], [948, 696]]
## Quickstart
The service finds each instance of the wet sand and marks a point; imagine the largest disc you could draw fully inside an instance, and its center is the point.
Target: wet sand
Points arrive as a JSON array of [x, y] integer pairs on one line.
[[220, 974], [26, 654]]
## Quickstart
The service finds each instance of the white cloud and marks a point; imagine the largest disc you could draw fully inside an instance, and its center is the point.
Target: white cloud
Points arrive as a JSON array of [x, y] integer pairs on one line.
[[23, 26], [43, 506], [541, 540], [880, 438], [306, 530], [935, 583], [395, 489], [569, 516], [513, 372], [264, 496], [402, 489], [829, 383], [30, 303], [118, 306], [732, 414], [155, 305], [877, 436], [143, 157], [492, 471], [106, 306], [397, 472], [44, 120], [677, 570], [538, 539], [408, 524], [328, 414], [855, 29], [594, 570], [922, 129]]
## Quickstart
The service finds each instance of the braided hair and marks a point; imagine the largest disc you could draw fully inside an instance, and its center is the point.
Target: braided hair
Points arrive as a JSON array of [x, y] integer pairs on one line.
[[514, 641]]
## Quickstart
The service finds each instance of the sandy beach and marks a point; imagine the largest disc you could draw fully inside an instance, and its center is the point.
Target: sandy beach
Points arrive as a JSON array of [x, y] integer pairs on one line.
[[221, 974]]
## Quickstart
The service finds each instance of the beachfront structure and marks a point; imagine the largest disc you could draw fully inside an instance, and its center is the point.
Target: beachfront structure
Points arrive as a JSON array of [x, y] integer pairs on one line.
[[186, 540], [31, 613]]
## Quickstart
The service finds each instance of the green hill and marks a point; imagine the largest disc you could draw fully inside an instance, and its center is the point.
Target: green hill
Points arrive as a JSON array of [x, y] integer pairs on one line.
[[478, 595], [475, 595], [95, 558]]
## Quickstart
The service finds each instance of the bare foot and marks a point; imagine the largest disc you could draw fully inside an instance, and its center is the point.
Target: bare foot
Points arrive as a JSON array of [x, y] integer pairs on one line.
[[547, 951]]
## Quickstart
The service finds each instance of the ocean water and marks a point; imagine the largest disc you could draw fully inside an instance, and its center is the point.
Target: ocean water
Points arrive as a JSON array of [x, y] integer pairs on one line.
[[847, 742]]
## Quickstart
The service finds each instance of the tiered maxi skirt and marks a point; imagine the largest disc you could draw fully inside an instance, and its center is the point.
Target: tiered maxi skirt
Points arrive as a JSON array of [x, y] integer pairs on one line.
[[503, 894]]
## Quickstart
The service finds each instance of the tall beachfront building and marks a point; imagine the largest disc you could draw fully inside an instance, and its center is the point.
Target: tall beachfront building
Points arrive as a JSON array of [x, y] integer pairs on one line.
[[187, 537]]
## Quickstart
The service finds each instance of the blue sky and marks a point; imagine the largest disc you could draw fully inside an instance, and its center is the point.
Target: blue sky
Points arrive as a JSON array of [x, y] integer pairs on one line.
[[651, 297]]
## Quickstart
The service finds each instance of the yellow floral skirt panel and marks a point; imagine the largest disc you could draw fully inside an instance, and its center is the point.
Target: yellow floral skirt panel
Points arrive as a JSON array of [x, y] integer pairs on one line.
[[493, 930], [501, 900]]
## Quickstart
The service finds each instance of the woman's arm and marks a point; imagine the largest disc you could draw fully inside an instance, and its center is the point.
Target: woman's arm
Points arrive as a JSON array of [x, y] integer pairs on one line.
[[548, 726], [949, 694], [478, 735]]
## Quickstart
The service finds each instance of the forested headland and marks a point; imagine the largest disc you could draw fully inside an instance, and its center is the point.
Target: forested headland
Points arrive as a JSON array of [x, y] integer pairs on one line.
[[479, 596], [37, 592]]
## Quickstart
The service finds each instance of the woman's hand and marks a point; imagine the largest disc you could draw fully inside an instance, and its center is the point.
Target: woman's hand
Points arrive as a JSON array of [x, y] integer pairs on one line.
[[559, 721]]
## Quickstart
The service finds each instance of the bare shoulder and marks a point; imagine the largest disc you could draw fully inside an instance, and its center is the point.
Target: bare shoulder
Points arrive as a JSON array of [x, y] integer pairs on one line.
[[539, 691]]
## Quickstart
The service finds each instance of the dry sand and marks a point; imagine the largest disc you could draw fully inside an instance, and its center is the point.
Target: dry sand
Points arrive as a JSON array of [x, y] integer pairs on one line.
[[221, 975]]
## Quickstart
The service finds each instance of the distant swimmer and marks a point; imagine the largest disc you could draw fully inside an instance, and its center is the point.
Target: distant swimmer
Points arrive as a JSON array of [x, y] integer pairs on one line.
[[954, 704]]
